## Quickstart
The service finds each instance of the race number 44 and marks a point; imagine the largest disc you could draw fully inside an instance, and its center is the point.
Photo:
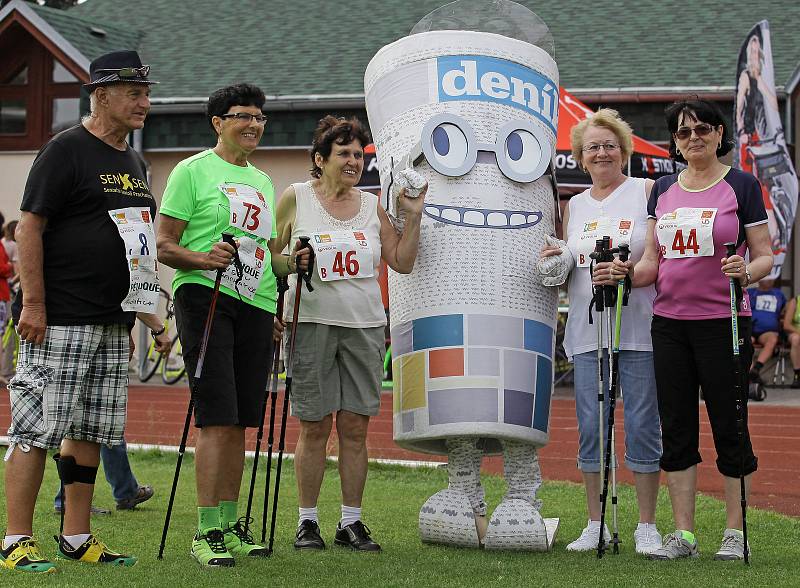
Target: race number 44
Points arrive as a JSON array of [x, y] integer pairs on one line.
[[686, 232], [678, 244]]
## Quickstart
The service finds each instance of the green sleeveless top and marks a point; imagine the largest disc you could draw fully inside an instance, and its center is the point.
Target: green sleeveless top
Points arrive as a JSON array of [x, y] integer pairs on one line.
[[796, 317]]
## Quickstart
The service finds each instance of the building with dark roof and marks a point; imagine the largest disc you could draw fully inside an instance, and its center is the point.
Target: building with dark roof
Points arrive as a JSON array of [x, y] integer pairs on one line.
[[309, 57]]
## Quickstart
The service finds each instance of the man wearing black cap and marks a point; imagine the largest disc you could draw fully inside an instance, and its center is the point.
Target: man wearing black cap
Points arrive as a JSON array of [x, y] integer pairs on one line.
[[87, 267]]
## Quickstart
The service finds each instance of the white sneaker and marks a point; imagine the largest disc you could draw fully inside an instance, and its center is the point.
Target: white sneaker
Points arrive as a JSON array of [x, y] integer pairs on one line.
[[732, 546], [589, 538], [647, 538]]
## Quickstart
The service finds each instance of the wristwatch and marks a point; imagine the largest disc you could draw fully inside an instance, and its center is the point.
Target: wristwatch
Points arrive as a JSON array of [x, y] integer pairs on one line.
[[155, 334], [748, 278]]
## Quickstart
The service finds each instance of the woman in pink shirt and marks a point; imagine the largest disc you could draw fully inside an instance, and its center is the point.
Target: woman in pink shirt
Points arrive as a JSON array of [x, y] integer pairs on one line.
[[692, 215]]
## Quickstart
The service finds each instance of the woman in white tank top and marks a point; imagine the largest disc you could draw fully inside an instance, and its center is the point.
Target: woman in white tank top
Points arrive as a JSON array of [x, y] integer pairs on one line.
[[615, 205], [339, 346]]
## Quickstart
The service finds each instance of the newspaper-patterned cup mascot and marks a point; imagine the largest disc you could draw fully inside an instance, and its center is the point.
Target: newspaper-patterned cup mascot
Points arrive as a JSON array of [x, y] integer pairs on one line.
[[473, 113]]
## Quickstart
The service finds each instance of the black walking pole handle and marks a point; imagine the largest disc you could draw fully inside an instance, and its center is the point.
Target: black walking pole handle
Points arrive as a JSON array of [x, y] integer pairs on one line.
[[624, 254], [230, 240], [283, 286], [730, 249], [307, 274], [597, 257]]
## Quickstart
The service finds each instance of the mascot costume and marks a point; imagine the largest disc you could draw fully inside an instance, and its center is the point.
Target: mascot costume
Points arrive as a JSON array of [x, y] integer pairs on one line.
[[468, 103]]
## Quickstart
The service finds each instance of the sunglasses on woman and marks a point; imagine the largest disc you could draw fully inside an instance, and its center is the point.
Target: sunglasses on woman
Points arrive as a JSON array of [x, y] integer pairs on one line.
[[701, 130]]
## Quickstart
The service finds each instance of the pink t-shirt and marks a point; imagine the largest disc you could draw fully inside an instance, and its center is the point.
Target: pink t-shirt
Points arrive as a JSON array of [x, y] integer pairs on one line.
[[694, 288]]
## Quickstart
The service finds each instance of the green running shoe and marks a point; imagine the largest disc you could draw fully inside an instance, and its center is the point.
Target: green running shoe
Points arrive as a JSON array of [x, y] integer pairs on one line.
[[239, 540], [93, 551], [24, 555], [209, 549]]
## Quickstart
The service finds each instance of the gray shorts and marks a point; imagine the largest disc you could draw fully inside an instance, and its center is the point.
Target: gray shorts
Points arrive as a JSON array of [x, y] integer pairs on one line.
[[336, 368], [74, 385]]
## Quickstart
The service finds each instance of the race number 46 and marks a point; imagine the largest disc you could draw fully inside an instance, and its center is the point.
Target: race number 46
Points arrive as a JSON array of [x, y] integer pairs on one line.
[[343, 255], [344, 265]]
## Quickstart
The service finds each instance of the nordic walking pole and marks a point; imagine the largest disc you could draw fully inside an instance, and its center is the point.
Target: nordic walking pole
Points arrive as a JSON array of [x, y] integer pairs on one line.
[[597, 303], [736, 295], [610, 449], [283, 286], [301, 276], [198, 372], [273, 374]]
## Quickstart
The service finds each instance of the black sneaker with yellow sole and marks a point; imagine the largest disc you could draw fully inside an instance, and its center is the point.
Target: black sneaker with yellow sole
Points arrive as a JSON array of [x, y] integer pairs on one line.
[[93, 551]]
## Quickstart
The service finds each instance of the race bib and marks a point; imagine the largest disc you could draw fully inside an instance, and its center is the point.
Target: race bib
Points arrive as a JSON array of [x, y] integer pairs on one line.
[[767, 303], [248, 209], [252, 256], [135, 226], [686, 232], [342, 255], [619, 229]]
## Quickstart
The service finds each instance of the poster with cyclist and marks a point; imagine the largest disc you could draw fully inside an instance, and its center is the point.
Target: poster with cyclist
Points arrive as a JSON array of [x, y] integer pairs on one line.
[[760, 143]]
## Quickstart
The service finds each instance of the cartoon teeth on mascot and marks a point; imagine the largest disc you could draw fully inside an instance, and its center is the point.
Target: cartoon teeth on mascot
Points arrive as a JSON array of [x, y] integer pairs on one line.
[[469, 102]]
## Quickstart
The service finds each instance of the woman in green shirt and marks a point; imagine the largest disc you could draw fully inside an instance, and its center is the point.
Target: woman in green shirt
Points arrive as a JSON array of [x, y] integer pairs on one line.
[[207, 194]]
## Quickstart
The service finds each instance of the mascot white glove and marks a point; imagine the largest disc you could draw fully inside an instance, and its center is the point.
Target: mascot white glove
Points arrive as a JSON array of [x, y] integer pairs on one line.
[[553, 270], [414, 183]]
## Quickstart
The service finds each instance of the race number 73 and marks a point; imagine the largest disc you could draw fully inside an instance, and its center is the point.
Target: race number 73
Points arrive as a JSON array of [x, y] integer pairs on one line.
[[250, 222], [344, 265]]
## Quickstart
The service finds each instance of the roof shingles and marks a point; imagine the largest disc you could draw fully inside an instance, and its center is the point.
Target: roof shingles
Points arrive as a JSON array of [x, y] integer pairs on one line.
[[322, 47]]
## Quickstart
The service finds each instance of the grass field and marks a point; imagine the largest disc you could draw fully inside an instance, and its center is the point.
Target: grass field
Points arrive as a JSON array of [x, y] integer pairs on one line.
[[394, 496]]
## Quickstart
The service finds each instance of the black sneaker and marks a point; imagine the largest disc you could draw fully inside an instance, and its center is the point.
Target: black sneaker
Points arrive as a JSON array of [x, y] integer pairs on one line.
[[755, 377], [796, 381], [356, 536], [308, 536]]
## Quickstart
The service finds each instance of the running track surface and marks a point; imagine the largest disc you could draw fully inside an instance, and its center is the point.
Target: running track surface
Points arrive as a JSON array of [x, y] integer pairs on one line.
[[157, 413]]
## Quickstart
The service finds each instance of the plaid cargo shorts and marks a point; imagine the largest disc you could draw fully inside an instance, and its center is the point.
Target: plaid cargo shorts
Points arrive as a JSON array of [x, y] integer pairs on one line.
[[74, 385]]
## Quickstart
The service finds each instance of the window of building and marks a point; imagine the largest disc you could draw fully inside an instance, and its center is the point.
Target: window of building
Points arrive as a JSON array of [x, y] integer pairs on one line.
[[61, 75], [39, 94]]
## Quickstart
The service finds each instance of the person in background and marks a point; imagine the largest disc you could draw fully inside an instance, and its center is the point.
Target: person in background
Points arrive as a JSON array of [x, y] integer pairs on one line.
[[791, 326], [767, 303], [9, 345], [6, 273]]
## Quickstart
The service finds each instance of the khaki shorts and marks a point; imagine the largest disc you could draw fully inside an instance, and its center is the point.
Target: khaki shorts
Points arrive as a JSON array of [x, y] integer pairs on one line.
[[336, 368]]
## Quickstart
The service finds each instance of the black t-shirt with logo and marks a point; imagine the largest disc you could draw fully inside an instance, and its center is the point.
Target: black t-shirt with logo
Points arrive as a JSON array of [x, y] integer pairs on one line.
[[75, 180]]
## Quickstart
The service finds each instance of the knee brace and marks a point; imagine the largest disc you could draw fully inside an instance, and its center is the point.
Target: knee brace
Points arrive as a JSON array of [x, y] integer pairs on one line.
[[69, 471]]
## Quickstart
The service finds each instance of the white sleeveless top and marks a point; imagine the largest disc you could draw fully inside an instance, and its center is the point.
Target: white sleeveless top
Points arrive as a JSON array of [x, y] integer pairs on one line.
[[628, 201], [354, 302]]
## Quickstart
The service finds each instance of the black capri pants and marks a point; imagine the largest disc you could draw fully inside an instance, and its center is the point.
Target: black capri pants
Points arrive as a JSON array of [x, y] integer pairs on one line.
[[238, 357], [693, 354]]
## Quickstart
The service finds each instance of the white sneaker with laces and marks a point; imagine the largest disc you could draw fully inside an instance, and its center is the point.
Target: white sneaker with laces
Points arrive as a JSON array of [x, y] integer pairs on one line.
[[732, 547], [647, 538], [589, 538]]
